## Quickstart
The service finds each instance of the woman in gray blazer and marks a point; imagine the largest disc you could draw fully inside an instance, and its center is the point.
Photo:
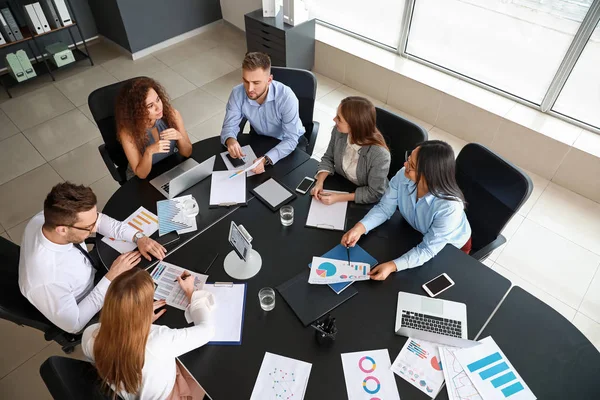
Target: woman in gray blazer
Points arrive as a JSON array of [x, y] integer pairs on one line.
[[357, 151]]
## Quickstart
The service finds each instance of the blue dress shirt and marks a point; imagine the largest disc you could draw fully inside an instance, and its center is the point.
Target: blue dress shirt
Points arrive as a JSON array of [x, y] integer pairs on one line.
[[440, 221], [277, 117]]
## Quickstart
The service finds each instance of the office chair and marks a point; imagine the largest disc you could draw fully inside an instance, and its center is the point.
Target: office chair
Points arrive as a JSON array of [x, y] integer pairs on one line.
[[495, 189], [400, 135], [16, 308], [304, 85], [70, 379], [102, 105]]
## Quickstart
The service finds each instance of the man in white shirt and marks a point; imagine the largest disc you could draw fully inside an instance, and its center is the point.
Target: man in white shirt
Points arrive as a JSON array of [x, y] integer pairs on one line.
[[56, 273]]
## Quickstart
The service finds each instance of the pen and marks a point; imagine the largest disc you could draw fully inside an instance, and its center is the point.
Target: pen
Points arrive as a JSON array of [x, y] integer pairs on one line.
[[249, 168], [348, 251], [319, 329], [183, 276], [211, 263]]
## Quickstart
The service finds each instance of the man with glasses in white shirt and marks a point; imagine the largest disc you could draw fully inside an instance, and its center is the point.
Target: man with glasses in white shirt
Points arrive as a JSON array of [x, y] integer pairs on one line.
[[56, 272]]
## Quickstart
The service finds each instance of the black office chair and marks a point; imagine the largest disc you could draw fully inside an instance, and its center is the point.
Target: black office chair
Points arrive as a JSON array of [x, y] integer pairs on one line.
[[495, 189], [70, 379], [304, 85], [400, 135], [102, 105], [16, 308]]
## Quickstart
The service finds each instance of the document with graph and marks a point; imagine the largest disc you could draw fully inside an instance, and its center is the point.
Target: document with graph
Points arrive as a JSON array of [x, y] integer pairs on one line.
[[171, 216], [142, 220], [418, 363], [458, 384], [325, 271], [492, 374], [167, 288]]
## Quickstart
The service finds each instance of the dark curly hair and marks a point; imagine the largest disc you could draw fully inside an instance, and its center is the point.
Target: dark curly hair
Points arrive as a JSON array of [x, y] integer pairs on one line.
[[131, 113]]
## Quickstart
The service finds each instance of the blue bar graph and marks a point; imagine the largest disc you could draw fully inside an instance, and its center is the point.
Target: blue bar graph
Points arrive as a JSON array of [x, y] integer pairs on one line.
[[495, 370], [503, 380], [484, 362], [512, 389]]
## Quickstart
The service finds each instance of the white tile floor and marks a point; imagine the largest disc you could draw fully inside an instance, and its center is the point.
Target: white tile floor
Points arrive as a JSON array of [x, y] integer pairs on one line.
[[47, 136]]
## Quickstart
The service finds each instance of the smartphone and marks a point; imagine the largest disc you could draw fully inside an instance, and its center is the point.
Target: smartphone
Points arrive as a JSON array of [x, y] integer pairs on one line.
[[305, 185], [168, 238], [438, 285], [236, 162]]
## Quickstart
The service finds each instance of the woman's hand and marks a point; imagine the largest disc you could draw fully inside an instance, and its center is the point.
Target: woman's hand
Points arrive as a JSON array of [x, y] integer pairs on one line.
[[186, 281], [158, 304], [382, 271], [162, 146], [329, 198], [171, 134], [351, 237], [317, 190]]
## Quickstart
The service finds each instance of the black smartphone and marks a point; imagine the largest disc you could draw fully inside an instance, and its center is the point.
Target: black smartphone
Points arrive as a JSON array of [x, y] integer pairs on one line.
[[167, 239], [236, 162]]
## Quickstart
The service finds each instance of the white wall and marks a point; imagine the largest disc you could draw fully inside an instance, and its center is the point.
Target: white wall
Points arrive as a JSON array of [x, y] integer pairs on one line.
[[234, 10]]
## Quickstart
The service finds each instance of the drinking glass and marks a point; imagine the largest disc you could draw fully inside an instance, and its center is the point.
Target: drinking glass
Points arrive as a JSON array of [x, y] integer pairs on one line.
[[287, 215], [267, 298]]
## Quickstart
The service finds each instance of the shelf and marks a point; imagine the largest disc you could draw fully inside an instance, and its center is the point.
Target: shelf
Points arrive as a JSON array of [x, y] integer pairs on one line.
[[55, 30], [27, 35], [77, 54]]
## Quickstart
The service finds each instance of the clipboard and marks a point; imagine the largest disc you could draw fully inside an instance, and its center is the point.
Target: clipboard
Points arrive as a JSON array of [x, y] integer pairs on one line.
[[329, 217], [223, 311], [273, 194], [226, 191]]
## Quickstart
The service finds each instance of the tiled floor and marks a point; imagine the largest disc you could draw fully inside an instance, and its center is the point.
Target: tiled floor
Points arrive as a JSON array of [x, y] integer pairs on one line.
[[47, 135]]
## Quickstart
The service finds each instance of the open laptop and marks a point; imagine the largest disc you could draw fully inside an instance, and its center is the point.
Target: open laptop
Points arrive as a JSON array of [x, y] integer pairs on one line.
[[434, 320], [183, 177]]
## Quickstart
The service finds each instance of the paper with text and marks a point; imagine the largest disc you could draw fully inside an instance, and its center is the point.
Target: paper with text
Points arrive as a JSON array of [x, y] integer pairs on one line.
[[167, 288]]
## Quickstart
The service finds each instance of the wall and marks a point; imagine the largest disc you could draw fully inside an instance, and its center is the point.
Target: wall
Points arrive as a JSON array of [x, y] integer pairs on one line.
[[108, 20], [234, 10], [83, 16]]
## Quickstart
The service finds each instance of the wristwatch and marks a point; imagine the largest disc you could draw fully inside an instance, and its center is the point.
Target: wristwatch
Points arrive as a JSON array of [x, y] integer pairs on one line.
[[138, 236], [268, 161]]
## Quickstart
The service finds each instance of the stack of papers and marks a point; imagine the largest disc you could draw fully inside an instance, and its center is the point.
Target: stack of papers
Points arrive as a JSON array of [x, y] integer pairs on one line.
[[281, 378], [142, 220], [171, 216], [167, 288]]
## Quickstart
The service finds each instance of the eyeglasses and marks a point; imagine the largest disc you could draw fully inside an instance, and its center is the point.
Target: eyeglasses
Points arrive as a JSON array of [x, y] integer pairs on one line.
[[87, 228], [407, 154]]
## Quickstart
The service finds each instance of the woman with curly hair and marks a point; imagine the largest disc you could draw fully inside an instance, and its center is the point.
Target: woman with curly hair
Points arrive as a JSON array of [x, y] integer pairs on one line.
[[148, 127]]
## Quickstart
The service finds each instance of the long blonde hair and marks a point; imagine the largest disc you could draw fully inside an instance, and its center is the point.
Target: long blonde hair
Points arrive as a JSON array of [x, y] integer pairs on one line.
[[120, 343]]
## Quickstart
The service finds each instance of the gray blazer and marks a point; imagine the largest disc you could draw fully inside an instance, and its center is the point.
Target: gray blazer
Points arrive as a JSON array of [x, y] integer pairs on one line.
[[371, 171]]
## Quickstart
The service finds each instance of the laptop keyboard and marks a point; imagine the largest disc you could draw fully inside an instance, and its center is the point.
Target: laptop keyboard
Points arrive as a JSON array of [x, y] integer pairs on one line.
[[165, 187], [429, 323]]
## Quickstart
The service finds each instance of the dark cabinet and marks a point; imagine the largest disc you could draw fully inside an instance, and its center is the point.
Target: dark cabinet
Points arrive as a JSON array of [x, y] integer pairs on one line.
[[288, 46]]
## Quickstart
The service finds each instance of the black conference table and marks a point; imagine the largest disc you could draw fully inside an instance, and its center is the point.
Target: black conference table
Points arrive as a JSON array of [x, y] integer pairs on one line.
[[365, 321]]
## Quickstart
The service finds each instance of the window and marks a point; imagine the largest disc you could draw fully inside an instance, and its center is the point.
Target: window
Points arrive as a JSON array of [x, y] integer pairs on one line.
[[513, 45], [580, 97], [378, 20]]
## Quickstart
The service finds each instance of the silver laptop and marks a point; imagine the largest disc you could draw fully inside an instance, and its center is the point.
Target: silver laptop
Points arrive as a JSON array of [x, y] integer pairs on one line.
[[183, 177], [434, 320]]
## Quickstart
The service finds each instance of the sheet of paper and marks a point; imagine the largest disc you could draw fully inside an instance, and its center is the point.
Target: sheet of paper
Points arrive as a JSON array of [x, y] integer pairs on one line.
[[324, 271], [272, 192], [248, 160], [324, 216], [142, 220], [228, 316], [281, 378], [227, 191], [418, 363], [171, 216], [492, 374], [368, 375], [458, 384], [165, 276]]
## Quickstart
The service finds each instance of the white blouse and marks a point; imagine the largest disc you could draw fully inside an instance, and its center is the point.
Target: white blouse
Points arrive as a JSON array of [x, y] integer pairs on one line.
[[163, 346], [350, 161]]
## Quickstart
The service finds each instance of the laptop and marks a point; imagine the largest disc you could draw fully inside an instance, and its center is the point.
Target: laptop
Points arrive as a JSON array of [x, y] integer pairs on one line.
[[183, 177], [434, 320]]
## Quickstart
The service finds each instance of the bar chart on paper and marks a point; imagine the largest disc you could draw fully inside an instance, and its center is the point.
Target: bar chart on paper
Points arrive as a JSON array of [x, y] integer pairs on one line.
[[327, 270], [491, 372], [141, 220]]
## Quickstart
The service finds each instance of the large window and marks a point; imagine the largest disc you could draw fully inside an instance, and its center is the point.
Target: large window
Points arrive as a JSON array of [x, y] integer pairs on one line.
[[515, 46], [378, 20]]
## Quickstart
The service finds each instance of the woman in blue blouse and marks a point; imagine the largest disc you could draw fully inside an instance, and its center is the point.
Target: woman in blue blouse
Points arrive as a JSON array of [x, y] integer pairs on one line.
[[428, 197]]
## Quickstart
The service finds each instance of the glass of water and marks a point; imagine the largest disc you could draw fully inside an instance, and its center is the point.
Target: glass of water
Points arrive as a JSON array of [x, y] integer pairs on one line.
[[287, 215], [267, 298]]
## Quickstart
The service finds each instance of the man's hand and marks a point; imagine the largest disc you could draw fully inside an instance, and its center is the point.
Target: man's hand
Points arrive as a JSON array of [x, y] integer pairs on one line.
[[351, 237], [123, 263], [158, 304], [148, 247], [234, 148], [382, 271], [260, 168]]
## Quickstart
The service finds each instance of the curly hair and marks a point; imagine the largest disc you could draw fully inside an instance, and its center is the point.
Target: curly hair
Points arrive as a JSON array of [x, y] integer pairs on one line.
[[131, 113]]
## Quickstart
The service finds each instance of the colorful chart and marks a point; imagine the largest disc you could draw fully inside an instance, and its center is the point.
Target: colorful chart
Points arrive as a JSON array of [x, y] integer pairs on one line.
[[326, 269], [282, 384], [415, 348], [436, 364]]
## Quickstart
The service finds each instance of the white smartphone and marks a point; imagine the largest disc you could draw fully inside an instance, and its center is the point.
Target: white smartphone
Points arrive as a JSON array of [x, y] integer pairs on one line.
[[305, 185], [438, 285]]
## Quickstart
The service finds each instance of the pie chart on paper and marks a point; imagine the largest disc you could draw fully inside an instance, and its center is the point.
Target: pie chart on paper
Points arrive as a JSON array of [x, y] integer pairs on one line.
[[326, 269]]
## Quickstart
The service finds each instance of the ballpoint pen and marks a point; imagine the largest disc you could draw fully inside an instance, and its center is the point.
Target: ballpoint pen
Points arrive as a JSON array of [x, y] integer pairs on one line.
[[348, 250], [249, 168]]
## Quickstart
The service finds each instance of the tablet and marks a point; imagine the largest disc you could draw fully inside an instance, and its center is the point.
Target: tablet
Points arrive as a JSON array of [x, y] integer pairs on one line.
[[273, 194]]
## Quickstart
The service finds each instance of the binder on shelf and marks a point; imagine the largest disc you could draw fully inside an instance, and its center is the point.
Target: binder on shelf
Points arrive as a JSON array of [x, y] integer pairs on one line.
[[5, 29], [51, 14], [41, 17], [14, 67], [2, 41], [32, 20], [26, 64], [63, 12], [12, 24]]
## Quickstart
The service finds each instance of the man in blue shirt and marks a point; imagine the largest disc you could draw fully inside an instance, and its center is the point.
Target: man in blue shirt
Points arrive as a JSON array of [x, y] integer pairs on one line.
[[270, 107]]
